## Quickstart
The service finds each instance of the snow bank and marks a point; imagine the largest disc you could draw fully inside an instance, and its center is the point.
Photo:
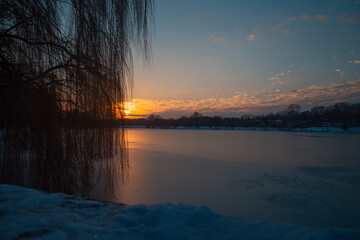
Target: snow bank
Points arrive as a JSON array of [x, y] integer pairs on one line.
[[26, 213]]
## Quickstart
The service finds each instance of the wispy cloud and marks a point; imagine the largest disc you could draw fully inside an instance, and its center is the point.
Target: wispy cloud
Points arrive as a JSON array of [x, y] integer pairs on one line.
[[348, 18], [321, 17], [253, 103], [278, 78], [216, 39], [290, 19], [250, 37], [285, 28], [306, 17], [277, 27]]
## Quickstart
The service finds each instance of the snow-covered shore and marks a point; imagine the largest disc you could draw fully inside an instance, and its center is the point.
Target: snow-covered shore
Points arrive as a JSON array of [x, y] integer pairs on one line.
[[27, 213]]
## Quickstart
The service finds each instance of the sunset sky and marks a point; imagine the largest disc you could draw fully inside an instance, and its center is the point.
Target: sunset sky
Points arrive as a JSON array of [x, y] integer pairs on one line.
[[234, 57]]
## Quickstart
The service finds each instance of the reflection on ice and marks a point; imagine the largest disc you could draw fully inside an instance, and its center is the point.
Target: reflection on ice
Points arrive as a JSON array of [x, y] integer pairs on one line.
[[261, 176]]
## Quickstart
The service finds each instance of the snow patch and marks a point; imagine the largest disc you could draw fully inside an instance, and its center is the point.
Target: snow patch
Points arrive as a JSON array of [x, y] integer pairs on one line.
[[27, 213]]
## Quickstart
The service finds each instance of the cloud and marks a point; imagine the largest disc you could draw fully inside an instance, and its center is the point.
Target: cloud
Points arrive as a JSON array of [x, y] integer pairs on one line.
[[339, 71], [348, 18], [219, 39], [278, 78], [356, 62], [290, 19], [284, 25], [250, 37], [320, 17], [353, 19], [305, 17], [216, 39], [277, 27], [252, 103]]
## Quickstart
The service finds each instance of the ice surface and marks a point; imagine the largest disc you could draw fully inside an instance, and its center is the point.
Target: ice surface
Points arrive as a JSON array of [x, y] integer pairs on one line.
[[309, 179], [26, 213]]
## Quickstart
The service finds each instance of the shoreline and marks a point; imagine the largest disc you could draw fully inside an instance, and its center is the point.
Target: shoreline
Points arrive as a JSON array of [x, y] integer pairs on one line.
[[267, 129]]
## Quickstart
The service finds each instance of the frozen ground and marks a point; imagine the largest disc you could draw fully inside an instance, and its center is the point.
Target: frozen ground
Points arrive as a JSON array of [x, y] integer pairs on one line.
[[26, 213]]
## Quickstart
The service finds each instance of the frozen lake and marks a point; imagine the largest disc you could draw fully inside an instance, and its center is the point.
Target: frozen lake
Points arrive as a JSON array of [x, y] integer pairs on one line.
[[311, 179]]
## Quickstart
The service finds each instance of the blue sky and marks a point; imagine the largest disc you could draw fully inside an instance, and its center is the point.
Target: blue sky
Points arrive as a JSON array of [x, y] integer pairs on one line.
[[246, 54]]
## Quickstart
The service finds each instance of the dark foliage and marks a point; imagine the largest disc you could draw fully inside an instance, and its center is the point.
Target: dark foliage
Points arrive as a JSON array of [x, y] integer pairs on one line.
[[64, 69], [341, 114]]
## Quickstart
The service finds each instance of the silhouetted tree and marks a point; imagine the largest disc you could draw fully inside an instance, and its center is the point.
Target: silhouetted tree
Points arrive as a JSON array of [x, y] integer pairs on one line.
[[77, 51], [293, 108], [65, 61], [154, 117], [196, 115], [339, 115]]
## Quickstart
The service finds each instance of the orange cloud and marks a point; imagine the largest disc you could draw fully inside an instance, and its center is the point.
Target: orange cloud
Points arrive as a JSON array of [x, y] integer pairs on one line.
[[278, 78], [320, 17], [242, 103], [356, 62], [250, 37]]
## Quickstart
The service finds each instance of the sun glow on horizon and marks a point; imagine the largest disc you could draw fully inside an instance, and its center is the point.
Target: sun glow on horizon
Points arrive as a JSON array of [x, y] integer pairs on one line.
[[245, 103], [128, 108], [131, 111], [125, 110]]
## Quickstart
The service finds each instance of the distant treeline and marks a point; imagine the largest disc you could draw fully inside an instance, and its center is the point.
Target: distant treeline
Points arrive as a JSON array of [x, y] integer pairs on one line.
[[340, 114]]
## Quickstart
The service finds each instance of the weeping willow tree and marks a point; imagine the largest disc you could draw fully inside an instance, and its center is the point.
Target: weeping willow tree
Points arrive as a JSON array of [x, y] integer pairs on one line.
[[65, 66]]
